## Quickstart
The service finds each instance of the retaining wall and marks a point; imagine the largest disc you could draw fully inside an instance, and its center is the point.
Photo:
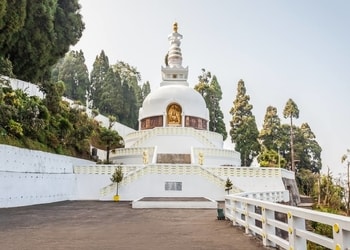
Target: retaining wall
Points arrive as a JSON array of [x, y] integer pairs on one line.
[[30, 177]]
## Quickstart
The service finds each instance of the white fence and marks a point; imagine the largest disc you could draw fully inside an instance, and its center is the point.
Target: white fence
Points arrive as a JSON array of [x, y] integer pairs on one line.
[[285, 226]]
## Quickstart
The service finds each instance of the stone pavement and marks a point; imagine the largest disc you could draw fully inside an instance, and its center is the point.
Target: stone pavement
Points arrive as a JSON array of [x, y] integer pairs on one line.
[[115, 225]]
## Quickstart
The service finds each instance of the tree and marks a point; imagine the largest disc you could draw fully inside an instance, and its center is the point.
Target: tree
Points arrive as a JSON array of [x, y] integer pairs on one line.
[[97, 79], [12, 19], [244, 132], [110, 137], [331, 194], [306, 181], [49, 28], [228, 185], [145, 90], [270, 158], [210, 89], [306, 148], [112, 100], [117, 177], [269, 134], [343, 160], [132, 92], [74, 73], [291, 111]]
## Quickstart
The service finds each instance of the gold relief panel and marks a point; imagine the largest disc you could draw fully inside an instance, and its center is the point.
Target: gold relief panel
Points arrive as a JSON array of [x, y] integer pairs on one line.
[[174, 114]]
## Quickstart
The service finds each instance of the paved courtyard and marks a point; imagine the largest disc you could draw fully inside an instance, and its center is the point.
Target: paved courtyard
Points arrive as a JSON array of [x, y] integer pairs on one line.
[[110, 225]]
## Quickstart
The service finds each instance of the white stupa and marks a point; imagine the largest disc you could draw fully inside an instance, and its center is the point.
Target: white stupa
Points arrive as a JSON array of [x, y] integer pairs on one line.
[[173, 122], [173, 154]]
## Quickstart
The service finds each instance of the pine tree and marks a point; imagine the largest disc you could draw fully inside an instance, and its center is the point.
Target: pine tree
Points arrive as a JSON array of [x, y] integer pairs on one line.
[[210, 89], [244, 132], [307, 149], [145, 90], [49, 28], [291, 111], [132, 92], [73, 71], [97, 78], [269, 134]]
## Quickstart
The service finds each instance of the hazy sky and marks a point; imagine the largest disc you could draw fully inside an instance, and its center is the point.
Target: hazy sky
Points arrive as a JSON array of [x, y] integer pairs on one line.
[[281, 49]]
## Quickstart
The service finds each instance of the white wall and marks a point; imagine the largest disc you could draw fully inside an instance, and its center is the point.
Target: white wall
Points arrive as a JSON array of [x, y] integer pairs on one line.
[[30, 177], [153, 185], [174, 144]]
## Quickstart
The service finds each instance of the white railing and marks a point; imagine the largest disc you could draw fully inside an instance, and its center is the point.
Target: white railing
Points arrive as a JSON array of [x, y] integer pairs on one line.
[[168, 169], [231, 156], [285, 226], [251, 172], [146, 134], [103, 169]]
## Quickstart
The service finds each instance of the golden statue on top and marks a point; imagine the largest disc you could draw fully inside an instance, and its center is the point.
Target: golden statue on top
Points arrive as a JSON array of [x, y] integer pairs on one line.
[[175, 27]]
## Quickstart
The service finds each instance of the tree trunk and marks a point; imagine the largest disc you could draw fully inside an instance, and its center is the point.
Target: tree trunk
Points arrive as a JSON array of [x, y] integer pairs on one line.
[[108, 154]]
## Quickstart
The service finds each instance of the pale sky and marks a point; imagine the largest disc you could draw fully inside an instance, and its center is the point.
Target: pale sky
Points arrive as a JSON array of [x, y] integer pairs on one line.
[[281, 49]]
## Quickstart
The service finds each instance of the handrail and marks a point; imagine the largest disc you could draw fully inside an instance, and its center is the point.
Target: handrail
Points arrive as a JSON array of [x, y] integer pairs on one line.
[[182, 169], [249, 171], [202, 136], [258, 217]]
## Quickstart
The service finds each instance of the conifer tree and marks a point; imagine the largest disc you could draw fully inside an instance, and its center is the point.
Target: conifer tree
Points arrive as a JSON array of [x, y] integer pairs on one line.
[[269, 134], [145, 90], [97, 78], [291, 111], [73, 71], [244, 132], [35, 34], [210, 89]]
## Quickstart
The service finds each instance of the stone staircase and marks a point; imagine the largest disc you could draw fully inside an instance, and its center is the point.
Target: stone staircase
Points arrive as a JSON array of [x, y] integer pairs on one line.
[[306, 202]]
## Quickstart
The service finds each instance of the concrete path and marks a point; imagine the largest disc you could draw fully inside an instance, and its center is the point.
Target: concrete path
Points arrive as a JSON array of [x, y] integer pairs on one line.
[[110, 225]]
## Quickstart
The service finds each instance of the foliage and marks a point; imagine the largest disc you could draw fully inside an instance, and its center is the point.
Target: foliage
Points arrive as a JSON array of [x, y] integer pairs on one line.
[[291, 111], [228, 185], [244, 132], [330, 195], [131, 92], [306, 181], [145, 90], [27, 122], [277, 137], [111, 138], [35, 34], [345, 159], [210, 89], [306, 148], [74, 73], [97, 79], [271, 158], [115, 90], [117, 177], [270, 132]]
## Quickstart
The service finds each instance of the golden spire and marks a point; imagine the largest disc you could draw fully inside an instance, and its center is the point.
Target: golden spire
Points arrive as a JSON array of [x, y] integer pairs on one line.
[[175, 27]]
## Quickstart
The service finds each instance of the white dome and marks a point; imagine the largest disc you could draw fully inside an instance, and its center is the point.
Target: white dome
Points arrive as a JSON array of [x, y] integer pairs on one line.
[[191, 102]]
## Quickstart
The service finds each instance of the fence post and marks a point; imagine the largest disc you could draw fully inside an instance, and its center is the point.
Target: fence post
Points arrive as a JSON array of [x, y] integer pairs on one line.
[[294, 223], [267, 229], [341, 237]]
